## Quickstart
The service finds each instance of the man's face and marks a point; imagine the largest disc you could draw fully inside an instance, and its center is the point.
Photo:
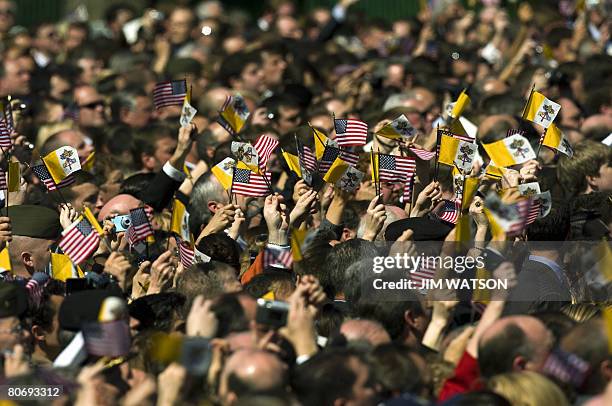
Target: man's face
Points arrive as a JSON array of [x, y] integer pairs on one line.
[[251, 78], [164, 148], [273, 67], [11, 333], [16, 78], [51, 340], [77, 140], [40, 254], [48, 40], [86, 195], [289, 118], [91, 107], [363, 388], [142, 113], [7, 15], [571, 116], [603, 182], [90, 69], [179, 26], [75, 37]]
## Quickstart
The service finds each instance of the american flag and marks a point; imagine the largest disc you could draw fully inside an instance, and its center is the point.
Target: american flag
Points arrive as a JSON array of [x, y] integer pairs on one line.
[[523, 207], [350, 132], [8, 115], [35, 292], [449, 212], [43, 174], [331, 153], [534, 211], [169, 93], [422, 153], [277, 258], [3, 182], [186, 252], [514, 131], [110, 338], [140, 225], [566, 367], [264, 146], [392, 168], [427, 270], [248, 183], [307, 158], [79, 241], [408, 187], [5, 136]]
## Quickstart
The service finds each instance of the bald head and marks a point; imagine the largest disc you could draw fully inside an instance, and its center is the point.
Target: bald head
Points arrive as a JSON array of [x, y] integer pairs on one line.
[[251, 371], [120, 204], [368, 331], [514, 344]]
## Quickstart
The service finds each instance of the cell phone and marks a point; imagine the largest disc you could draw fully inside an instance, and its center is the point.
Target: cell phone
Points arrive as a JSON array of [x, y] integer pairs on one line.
[[76, 285], [271, 313], [196, 355], [122, 223]]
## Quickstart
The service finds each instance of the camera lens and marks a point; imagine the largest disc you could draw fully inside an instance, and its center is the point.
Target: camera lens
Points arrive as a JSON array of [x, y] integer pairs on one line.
[[125, 222]]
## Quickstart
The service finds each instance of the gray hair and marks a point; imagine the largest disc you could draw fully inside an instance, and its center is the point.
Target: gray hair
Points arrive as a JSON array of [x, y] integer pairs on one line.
[[207, 188]]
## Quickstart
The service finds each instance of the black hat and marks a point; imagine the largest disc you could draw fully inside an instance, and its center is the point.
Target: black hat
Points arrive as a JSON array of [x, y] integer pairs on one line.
[[13, 299], [35, 221], [425, 229], [82, 307]]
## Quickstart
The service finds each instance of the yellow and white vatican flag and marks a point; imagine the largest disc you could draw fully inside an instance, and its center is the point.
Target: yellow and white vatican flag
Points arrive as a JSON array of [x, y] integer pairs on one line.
[[293, 162], [224, 172], [320, 142], [456, 152], [513, 150], [350, 180], [336, 170], [400, 128], [234, 114], [180, 221], [62, 162], [555, 139], [540, 110], [246, 153], [188, 112]]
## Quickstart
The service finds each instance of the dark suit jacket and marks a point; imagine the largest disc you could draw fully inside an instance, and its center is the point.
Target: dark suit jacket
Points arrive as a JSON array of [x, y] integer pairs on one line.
[[160, 192], [538, 289]]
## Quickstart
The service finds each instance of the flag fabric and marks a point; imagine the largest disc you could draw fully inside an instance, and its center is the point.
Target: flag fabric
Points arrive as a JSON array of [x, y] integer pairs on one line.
[[335, 171], [556, 140], [307, 158], [541, 204], [7, 112], [507, 217], [321, 142], [223, 171], [5, 261], [400, 128], [246, 153], [45, 177], [470, 188], [264, 146], [5, 136], [408, 187], [140, 225], [350, 132], [350, 180], [464, 129], [510, 151], [457, 152], [460, 105], [3, 180], [188, 112], [180, 220], [540, 110], [277, 257], [392, 168], [449, 211], [62, 267], [494, 172], [422, 153], [62, 162], [80, 240], [89, 162], [109, 339], [427, 270], [293, 162], [13, 177], [248, 183], [234, 114], [170, 93], [330, 155], [186, 252]]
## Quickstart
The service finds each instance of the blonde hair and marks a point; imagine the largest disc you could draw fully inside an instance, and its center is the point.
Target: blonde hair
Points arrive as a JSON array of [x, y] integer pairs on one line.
[[527, 388]]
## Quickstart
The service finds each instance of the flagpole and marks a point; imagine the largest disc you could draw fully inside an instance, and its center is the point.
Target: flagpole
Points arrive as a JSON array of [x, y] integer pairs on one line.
[[528, 100], [438, 138], [378, 169]]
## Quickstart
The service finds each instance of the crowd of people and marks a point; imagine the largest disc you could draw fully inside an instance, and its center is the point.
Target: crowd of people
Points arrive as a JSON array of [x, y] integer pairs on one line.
[[268, 300]]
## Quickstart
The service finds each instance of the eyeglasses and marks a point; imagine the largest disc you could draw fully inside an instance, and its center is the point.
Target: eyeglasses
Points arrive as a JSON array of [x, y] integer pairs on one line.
[[92, 105]]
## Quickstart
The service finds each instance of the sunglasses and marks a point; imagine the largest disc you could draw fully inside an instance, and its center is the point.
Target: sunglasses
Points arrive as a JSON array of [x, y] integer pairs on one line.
[[92, 105]]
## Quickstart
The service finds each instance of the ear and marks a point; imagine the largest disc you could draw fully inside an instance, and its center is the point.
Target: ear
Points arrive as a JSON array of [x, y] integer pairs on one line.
[[346, 234], [519, 364], [123, 112], [409, 318], [38, 333], [27, 259], [592, 181], [147, 161], [213, 206], [606, 370]]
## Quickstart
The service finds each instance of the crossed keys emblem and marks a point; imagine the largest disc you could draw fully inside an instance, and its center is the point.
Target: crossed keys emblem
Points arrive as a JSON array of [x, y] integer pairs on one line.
[[547, 110], [517, 147], [228, 165], [67, 159], [465, 157], [404, 128], [245, 153], [349, 181], [240, 107], [530, 192]]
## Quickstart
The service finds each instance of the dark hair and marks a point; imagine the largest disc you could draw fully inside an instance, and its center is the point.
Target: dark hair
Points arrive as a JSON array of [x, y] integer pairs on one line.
[[477, 398], [201, 279], [233, 65], [496, 355], [221, 247], [229, 314], [554, 227], [391, 314], [136, 184], [340, 258], [157, 311], [395, 370], [326, 377], [265, 282]]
